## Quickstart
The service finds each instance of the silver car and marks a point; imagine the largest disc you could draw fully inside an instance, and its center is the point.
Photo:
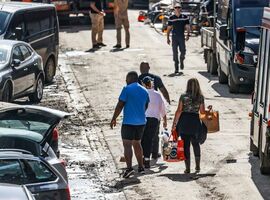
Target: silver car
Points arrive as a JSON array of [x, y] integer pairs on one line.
[[43, 180]]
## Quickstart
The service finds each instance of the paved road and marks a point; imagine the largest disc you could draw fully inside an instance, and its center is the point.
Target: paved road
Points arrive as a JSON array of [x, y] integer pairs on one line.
[[228, 169]]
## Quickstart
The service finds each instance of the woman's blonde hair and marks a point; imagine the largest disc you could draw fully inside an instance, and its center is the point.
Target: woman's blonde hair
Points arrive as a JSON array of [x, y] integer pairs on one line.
[[193, 89]]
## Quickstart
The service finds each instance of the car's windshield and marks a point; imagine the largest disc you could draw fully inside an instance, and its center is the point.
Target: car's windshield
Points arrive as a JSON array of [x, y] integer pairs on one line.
[[250, 18], [4, 55], [35, 126], [4, 16]]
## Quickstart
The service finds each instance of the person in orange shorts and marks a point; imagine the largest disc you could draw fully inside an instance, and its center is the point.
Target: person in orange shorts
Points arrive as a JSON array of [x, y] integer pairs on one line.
[[121, 19]]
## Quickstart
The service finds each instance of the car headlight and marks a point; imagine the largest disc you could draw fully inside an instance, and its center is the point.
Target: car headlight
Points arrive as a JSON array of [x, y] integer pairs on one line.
[[248, 50]]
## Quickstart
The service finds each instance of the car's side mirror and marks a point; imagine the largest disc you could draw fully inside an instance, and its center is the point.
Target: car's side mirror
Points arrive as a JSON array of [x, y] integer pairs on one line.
[[240, 39], [223, 34], [16, 63]]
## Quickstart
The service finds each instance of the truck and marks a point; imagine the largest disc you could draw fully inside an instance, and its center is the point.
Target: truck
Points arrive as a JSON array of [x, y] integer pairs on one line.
[[220, 42], [260, 115]]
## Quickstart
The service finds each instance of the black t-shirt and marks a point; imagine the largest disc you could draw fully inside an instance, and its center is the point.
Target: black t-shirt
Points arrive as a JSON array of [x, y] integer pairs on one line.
[[157, 80], [97, 4], [178, 24]]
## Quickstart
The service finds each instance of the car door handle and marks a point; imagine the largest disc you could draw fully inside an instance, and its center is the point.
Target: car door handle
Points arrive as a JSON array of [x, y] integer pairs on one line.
[[25, 69]]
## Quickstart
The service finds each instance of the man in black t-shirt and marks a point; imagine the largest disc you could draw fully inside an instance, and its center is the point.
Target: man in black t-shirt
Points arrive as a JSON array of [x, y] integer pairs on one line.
[[97, 20], [178, 23], [158, 85]]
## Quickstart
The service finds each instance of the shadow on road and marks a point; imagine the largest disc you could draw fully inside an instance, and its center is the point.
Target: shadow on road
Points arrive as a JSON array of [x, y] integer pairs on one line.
[[223, 90], [186, 177], [126, 182], [262, 182]]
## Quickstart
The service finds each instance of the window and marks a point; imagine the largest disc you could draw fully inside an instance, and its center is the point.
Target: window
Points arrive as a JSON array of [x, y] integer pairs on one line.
[[16, 22], [36, 172], [25, 52], [17, 54], [4, 16], [32, 23], [11, 172]]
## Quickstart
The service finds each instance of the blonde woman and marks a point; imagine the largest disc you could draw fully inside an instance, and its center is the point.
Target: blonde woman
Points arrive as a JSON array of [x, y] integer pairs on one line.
[[187, 122]]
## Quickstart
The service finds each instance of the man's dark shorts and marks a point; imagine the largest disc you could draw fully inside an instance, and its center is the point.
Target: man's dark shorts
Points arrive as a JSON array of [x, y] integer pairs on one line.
[[132, 132]]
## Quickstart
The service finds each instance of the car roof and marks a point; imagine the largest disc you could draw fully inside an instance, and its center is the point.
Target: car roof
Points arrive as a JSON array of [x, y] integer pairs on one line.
[[10, 42], [20, 133], [12, 7]]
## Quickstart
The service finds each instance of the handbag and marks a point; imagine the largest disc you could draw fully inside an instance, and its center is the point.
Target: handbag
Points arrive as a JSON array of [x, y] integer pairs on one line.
[[211, 120], [203, 133], [173, 149]]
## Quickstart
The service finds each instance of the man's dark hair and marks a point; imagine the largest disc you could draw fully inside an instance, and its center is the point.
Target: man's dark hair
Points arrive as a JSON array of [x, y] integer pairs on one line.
[[133, 76]]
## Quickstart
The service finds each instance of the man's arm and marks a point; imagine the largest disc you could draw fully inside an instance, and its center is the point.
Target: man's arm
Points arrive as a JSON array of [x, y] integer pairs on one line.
[[118, 109], [165, 94], [93, 6], [169, 28]]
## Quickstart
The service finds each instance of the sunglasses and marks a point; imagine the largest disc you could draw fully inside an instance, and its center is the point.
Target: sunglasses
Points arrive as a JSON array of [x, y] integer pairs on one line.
[[177, 7]]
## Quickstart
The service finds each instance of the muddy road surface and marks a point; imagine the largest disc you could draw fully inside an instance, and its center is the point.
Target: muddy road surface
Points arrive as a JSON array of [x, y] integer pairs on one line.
[[88, 85]]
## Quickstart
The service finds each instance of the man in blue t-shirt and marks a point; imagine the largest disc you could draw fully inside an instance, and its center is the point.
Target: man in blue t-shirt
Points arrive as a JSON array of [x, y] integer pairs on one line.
[[134, 100]]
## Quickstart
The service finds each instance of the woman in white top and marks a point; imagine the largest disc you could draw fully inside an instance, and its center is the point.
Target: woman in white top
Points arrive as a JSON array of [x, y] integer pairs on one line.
[[155, 111]]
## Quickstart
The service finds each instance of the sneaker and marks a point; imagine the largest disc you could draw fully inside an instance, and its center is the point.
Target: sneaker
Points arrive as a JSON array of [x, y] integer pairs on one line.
[[127, 46], [128, 172], [95, 46], [101, 44], [147, 164], [118, 46], [141, 170]]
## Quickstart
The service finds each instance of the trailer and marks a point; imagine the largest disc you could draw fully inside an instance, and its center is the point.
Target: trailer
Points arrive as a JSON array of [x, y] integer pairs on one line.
[[260, 116], [208, 42]]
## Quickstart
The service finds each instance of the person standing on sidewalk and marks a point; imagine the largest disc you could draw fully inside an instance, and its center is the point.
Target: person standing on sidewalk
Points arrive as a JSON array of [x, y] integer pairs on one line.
[[187, 121], [158, 85], [134, 100], [178, 23], [121, 18], [155, 111], [97, 20]]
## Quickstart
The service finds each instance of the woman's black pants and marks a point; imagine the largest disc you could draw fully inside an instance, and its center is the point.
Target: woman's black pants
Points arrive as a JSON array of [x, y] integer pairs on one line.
[[195, 144], [149, 132]]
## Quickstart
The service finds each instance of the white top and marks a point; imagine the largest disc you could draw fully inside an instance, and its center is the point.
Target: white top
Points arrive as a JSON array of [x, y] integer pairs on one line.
[[156, 107]]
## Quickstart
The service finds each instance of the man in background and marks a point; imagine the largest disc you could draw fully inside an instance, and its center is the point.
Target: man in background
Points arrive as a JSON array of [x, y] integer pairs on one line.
[[158, 85], [121, 19], [97, 20]]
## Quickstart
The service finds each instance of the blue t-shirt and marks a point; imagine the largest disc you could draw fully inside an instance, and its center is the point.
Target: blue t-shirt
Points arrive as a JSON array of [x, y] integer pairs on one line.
[[135, 97]]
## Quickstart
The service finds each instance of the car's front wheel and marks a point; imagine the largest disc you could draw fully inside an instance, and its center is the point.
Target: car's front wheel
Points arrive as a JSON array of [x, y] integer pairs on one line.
[[7, 94], [38, 94], [49, 70]]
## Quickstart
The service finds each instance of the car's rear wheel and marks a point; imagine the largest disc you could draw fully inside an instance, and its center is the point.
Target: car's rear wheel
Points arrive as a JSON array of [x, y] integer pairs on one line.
[[7, 93], [49, 70], [38, 94]]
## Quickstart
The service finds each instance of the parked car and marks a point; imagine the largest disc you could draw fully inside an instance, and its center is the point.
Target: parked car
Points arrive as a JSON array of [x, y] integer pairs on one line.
[[33, 118], [21, 71], [31, 142], [36, 24], [35, 173], [15, 192]]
